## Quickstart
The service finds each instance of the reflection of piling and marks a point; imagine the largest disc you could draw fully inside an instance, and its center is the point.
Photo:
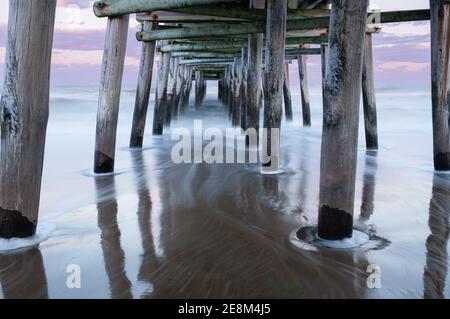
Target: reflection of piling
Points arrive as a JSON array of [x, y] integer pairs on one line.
[[113, 254], [148, 260], [368, 191], [22, 275], [436, 268]]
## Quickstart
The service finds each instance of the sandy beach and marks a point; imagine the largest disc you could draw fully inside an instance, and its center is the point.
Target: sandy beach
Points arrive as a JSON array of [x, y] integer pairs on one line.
[[160, 230]]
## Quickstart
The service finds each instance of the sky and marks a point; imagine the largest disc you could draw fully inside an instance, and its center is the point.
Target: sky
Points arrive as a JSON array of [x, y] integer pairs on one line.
[[401, 51]]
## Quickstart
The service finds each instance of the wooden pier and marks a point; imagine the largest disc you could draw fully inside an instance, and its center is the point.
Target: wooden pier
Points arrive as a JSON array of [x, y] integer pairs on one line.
[[247, 46]]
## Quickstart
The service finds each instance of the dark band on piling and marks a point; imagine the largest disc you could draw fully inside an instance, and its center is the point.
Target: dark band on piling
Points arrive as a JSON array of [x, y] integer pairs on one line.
[[14, 224], [136, 141], [103, 163], [334, 224], [442, 161]]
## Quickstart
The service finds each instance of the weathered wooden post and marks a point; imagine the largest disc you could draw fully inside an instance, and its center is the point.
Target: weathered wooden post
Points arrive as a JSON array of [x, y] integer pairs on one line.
[[171, 88], [287, 94], [161, 94], [219, 89], [369, 99], [274, 75], [179, 89], [186, 90], [243, 87], [440, 75], [254, 83], [340, 124], [236, 101], [143, 89], [198, 89], [304, 90], [109, 96], [324, 52], [24, 107], [203, 88]]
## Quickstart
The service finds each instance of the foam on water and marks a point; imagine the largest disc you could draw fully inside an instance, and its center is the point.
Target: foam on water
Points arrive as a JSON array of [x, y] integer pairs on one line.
[[90, 173], [275, 172], [358, 239], [43, 232]]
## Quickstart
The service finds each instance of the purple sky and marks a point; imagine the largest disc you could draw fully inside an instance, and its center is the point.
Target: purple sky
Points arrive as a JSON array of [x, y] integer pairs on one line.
[[401, 51]]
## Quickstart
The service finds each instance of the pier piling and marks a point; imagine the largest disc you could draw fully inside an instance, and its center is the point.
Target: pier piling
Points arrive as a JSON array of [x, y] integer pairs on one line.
[[274, 78], [24, 110], [440, 86], [369, 99], [143, 89], [161, 104], [287, 95], [340, 124], [109, 96], [304, 90]]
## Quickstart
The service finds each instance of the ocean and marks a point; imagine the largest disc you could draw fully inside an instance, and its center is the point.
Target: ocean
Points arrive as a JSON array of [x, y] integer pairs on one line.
[[156, 229]]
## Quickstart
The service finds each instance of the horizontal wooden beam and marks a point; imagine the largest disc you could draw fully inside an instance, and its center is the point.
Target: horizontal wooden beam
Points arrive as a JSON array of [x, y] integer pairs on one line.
[[110, 8], [203, 46], [236, 12], [210, 54], [233, 45], [204, 30], [205, 61], [178, 17], [211, 30], [307, 40], [207, 67], [303, 51]]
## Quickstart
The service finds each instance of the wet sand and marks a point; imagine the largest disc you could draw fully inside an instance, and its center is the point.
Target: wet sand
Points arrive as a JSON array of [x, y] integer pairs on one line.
[[160, 230]]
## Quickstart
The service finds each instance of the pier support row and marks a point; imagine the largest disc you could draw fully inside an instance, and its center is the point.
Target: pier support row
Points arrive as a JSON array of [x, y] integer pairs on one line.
[[342, 93], [24, 109]]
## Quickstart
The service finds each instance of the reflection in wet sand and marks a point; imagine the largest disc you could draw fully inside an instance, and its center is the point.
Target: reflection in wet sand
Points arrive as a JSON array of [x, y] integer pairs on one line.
[[113, 254], [22, 275], [229, 240], [149, 261], [368, 192], [436, 267]]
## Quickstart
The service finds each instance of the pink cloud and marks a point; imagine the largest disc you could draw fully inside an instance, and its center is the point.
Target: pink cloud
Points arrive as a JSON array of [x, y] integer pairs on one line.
[[81, 3], [403, 66]]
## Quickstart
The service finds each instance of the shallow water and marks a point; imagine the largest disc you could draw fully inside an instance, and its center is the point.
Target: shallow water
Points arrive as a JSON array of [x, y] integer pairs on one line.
[[160, 230]]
